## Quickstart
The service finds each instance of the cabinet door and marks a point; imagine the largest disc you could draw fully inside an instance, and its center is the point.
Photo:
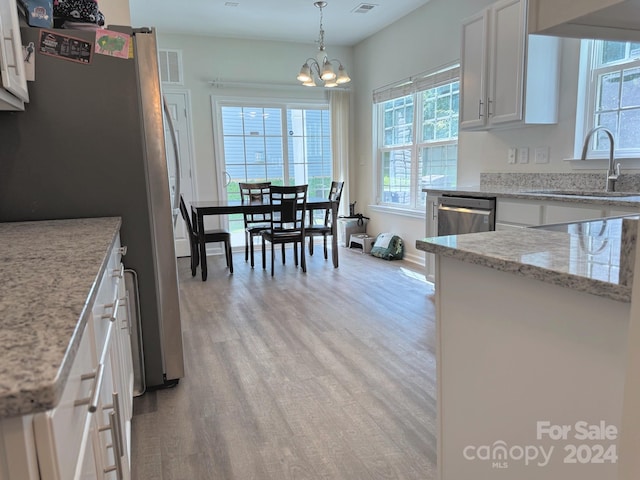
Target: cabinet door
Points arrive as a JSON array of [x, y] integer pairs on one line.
[[11, 63], [506, 76], [473, 71], [62, 433]]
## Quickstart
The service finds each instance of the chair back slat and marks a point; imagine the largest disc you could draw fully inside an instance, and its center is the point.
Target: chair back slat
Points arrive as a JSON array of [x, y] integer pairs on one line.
[[255, 193], [289, 206]]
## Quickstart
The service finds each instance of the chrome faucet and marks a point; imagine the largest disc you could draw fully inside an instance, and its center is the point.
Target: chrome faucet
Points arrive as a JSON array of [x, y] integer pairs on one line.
[[613, 172]]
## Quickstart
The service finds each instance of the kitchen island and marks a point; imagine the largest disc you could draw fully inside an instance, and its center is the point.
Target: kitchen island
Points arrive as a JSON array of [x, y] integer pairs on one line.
[[532, 349], [66, 375]]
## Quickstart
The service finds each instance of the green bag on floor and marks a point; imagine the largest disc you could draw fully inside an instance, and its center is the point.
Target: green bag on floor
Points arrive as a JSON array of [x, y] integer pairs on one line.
[[388, 246]]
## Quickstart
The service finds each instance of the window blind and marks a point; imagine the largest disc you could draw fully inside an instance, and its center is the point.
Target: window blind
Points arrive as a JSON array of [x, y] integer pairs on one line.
[[417, 83]]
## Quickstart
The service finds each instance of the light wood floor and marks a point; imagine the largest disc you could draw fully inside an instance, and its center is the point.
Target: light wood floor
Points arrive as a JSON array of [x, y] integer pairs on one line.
[[324, 375]]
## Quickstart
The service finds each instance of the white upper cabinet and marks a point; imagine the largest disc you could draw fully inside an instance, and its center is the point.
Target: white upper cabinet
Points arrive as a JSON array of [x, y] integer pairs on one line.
[[508, 78], [606, 19], [14, 92]]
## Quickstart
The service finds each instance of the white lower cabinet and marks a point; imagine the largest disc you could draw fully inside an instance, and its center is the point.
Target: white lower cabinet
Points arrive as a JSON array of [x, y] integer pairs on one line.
[[87, 435]]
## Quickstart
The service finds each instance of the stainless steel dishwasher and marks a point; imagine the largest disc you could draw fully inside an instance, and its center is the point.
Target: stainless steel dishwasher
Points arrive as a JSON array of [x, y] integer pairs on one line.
[[458, 215]]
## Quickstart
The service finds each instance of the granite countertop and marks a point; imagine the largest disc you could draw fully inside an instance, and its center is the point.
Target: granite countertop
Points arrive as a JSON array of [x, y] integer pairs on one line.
[[49, 272], [631, 199], [586, 256]]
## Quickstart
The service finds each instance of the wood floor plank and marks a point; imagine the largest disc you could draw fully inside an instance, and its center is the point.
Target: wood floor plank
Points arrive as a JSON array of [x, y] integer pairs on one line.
[[324, 375]]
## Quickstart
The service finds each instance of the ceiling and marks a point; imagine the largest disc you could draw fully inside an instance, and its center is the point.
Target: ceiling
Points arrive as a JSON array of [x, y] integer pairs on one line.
[[281, 20]]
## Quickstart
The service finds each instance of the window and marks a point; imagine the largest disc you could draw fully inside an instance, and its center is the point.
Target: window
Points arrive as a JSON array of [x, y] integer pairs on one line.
[[283, 144], [612, 97], [417, 137]]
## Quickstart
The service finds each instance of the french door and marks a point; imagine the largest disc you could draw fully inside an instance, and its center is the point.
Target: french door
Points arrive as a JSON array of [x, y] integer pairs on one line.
[[283, 144]]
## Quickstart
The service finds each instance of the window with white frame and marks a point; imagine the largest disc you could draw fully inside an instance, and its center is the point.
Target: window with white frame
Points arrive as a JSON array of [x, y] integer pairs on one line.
[[416, 126], [612, 97]]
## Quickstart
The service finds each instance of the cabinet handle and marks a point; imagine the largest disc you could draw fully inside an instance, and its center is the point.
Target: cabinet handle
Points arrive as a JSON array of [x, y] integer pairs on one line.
[[489, 108], [118, 272], [434, 211], [117, 453], [92, 400], [480, 104], [122, 250], [113, 305], [118, 434]]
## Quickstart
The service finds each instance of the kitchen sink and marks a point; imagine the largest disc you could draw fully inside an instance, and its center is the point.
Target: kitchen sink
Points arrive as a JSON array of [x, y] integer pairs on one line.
[[583, 193]]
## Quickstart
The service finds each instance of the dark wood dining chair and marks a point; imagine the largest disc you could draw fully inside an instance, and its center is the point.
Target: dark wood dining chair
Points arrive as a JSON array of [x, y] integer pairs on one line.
[[326, 227], [254, 223], [288, 213], [210, 236]]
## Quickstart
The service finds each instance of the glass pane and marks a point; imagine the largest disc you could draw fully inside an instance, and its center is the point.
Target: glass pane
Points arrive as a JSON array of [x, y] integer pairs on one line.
[[231, 120], [396, 174], [629, 128], [253, 120], [612, 52], [601, 140], [274, 149], [631, 88], [609, 91], [272, 121]]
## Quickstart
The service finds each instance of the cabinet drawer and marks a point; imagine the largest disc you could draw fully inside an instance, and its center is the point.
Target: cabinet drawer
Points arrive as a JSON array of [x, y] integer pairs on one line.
[[105, 306], [60, 433], [565, 213], [520, 212]]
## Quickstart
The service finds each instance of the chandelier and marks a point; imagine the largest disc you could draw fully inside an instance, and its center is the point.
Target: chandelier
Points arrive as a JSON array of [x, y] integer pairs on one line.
[[321, 67]]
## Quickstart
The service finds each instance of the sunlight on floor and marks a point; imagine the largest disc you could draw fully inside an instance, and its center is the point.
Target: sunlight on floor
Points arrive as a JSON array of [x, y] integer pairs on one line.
[[414, 275]]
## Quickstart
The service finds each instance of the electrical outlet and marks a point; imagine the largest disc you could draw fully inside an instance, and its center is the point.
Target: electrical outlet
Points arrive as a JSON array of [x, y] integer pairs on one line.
[[523, 154], [541, 155], [511, 155]]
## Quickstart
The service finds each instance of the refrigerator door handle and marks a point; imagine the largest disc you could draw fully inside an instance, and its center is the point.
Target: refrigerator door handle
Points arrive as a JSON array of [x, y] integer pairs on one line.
[[175, 208]]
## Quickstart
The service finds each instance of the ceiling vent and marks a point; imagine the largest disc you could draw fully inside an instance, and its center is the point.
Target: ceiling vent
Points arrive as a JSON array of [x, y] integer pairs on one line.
[[364, 8]]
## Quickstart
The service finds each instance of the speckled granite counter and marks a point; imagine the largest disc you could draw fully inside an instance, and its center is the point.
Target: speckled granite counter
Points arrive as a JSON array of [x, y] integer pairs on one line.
[[49, 271], [620, 199], [585, 257]]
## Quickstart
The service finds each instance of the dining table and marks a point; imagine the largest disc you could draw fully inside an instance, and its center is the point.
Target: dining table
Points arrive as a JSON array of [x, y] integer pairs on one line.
[[202, 208]]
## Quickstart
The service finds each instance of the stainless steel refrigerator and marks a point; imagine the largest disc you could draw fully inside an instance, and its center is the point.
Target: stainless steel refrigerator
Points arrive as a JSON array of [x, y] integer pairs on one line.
[[90, 143]]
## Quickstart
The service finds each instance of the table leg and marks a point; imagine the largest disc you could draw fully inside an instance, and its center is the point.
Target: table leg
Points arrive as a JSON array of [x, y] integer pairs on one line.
[[203, 247], [334, 236]]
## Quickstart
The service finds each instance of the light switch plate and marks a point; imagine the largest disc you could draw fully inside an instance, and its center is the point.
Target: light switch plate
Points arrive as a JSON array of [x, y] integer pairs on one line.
[[541, 155], [523, 154]]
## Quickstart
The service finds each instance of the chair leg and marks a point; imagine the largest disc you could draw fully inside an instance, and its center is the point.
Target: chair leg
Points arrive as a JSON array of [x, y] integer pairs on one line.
[[251, 248], [247, 237], [264, 256], [229, 255], [303, 261], [283, 257], [273, 257], [310, 244], [295, 252], [324, 238]]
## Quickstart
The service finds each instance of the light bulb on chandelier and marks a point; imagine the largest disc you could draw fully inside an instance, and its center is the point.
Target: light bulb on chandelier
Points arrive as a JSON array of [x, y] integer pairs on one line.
[[321, 67]]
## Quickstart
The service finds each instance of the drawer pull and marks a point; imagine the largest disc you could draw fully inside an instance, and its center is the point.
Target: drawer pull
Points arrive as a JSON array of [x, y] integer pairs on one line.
[[122, 250], [113, 306], [92, 400], [115, 406], [118, 272]]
